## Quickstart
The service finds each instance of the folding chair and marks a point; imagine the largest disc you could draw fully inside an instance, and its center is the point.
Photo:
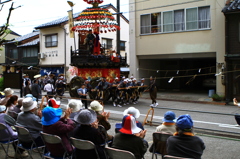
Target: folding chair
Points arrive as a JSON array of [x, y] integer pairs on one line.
[[3, 127], [13, 114], [53, 139], [159, 146], [174, 157], [119, 154], [104, 132], [84, 145], [23, 134]]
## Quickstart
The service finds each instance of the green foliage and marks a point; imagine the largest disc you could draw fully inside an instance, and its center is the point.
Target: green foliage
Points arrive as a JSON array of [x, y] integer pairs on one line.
[[217, 97]]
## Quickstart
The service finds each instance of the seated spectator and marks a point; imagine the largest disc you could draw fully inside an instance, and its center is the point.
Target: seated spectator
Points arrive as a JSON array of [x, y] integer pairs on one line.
[[8, 93], [168, 125], [53, 103], [30, 121], [102, 117], [55, 125], [11, 103], [76, 106], [184, 143], [31, 96], [9, 134], [88, 130], [18, 107], [131, 111], [131, 137]]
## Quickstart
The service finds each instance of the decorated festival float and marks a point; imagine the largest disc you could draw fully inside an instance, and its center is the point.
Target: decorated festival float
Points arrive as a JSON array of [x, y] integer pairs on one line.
[[91, 60]]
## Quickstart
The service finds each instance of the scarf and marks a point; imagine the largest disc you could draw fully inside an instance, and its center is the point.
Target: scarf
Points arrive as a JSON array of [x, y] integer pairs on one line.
[[185, 133], [168, 124]]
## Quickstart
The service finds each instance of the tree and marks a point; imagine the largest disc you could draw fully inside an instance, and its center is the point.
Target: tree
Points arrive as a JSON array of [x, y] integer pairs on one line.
[[4, 30]]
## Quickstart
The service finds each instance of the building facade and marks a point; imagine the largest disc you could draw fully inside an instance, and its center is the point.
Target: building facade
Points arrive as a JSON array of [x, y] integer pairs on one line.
[[56, 44], [232, 57], [178, 40]]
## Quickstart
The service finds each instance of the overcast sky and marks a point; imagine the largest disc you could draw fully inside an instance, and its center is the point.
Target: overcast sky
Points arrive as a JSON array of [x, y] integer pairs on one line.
[[36, 12]]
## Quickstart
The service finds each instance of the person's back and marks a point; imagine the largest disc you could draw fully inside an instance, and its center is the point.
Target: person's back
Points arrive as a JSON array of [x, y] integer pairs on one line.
[[168, 125], [5, 136]]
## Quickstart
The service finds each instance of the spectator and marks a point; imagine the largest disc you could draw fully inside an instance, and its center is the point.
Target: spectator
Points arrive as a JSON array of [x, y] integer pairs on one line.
[[168, 125], [184, 143], [31, 96], [55, 125], [36, 90], [88, 130], [9, 134], [11, 103], [53, 103], [30, 121], [131, 137], [82, 92], [8, 93], [18, 107], [135, 113], [76, 106], [49, 88]]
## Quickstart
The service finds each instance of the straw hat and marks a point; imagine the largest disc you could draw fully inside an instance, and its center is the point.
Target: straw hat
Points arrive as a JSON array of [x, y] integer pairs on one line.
[[96, 106], [132, 111], [28, 104], [86, 117], [8, 91]]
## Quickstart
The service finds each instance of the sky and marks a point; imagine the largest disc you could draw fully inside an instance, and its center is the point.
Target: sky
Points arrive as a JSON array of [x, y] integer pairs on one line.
[[35, 12]]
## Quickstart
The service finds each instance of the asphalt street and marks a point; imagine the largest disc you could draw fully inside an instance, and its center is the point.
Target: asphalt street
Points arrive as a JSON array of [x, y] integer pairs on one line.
[[216, 147]]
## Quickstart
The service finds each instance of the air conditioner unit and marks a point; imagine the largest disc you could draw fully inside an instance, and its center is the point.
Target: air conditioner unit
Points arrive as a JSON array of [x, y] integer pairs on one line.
[[41, 55]]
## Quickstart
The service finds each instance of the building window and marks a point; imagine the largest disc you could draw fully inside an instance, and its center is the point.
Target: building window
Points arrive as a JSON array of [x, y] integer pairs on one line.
[[14, 53], [179, 22], [145, 24], [107, 43], [191, 19], [30, 52], [155, 22], [122, 46], [168, 21], [51, 41], [204, 19]]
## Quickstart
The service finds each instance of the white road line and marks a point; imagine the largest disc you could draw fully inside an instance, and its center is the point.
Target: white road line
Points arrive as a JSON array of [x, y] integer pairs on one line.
[[196, 121]]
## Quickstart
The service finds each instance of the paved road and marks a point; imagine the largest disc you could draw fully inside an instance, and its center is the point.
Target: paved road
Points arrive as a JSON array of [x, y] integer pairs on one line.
[[215, 147]]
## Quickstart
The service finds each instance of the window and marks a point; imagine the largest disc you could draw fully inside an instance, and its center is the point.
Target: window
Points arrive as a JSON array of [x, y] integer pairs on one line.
[[30, 52], [14, 53], [191, 19], [107, 43], [145, 24], [51, 41], [179, 22], [155, 22], [122, 45], [204, 17], [168, 21]]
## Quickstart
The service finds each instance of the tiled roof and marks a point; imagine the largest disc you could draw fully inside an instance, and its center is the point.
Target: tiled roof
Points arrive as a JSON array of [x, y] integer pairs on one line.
[[31, 43], [24, 37], [233, 6], [75, 15]]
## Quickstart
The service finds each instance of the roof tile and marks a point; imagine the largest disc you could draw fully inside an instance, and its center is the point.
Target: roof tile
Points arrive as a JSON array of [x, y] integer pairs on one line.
[[233, 6]]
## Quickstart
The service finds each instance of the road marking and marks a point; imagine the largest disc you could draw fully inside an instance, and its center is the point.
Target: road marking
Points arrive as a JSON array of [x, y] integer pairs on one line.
[[196, 121]]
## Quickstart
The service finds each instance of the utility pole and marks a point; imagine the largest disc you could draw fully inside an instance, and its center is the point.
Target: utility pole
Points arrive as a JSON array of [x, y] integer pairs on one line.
[[118, 31]]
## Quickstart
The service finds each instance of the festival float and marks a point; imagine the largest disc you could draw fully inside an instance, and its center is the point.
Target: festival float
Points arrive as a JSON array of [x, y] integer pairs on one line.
[[91, 60]]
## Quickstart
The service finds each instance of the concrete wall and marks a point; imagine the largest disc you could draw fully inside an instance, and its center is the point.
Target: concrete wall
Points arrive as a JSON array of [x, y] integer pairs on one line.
[[186, 42]]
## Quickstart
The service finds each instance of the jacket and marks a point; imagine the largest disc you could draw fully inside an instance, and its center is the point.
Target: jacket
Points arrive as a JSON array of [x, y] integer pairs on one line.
[[86, 132], [185, 146], [61, 129], [80, 90], [31, 122], [171, 129], [102, 121], [6, 134], [36, 91], [131, 143]]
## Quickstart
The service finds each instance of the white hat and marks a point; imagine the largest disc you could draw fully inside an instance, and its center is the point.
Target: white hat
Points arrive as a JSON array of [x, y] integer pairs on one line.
[[116, 78], [133, 111], [76, 105], [125, 80], [8, 91], [2, 108], [142, 79], [134, 79], [123, 77], [64, 107], [28, 104], [37, 76], [96, 106], [129, 80], [131, 77]]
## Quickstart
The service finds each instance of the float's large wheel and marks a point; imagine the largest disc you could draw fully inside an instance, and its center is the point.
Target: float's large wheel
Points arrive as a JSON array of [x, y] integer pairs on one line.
[[94, 82], [75, 84]]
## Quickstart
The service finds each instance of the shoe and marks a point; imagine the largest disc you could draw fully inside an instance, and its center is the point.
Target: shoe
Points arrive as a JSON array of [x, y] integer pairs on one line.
[[152, 105], [124, 104], [134, 103], [156, 104], [114, 104], [23, 154], [119, 105]]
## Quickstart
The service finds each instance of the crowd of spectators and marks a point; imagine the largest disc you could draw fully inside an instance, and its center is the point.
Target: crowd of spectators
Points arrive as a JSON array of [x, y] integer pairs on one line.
[[73, 120]]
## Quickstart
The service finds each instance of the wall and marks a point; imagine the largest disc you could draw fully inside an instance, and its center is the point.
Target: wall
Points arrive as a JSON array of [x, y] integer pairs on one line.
[[188, 42]]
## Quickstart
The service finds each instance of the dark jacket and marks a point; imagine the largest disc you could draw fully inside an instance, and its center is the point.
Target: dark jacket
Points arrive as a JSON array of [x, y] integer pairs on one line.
[[36, 91], [61, 129], [185, 146], [131, 143], [86, 132], [102, 121]]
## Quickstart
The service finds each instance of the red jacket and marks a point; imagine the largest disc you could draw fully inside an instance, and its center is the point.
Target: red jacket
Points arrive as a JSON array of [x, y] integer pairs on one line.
[[61, 129]]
